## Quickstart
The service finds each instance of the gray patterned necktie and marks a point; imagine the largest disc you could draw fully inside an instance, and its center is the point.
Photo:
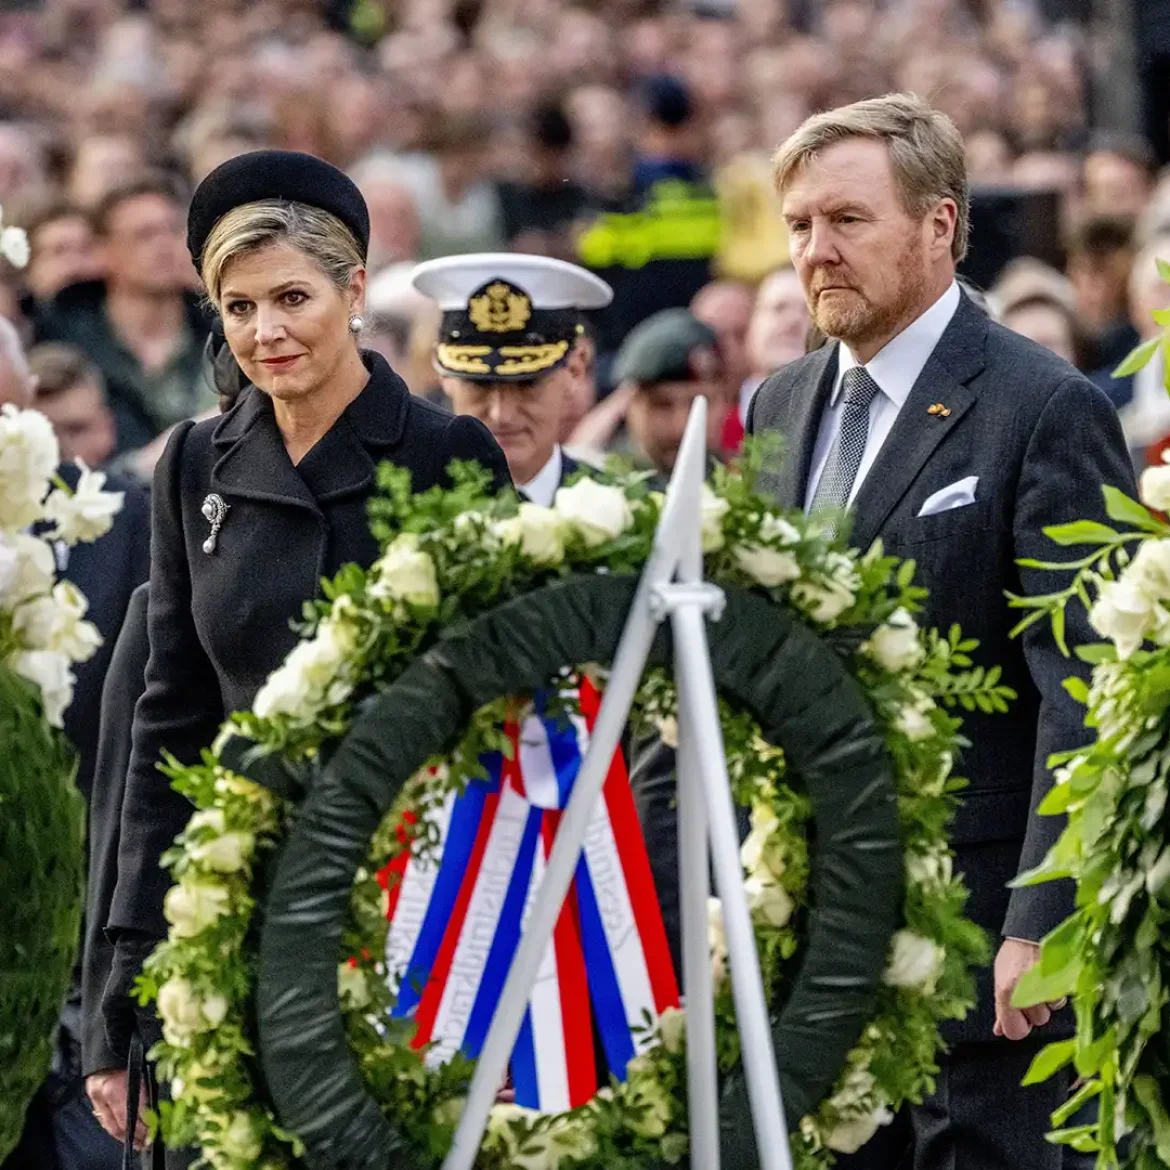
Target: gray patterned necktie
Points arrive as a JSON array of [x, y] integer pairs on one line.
[[844, 459]]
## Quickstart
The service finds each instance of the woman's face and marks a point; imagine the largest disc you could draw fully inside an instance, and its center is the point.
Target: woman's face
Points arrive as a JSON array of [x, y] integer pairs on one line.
[[286, 322]]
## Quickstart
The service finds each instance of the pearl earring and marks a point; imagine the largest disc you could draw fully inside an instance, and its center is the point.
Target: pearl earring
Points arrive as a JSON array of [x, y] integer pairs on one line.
[[356, 323]]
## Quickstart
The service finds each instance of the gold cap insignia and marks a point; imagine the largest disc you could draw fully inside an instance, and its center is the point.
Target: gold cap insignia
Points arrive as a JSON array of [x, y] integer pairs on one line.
[[500, 308]]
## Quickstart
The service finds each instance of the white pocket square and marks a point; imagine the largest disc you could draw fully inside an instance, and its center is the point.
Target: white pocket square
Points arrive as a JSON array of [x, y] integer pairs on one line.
[[955, 495]]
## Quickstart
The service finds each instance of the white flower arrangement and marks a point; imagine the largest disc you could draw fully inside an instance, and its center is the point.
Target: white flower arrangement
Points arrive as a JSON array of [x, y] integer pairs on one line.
[[13, 243]]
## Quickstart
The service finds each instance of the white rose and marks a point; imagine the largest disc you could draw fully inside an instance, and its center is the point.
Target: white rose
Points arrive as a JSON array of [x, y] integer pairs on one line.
[[672, 1028], [915, 962], [193, 906], [760, 852], [668, 730], [240, 1139], [225, 854], [316, 673], [179, 1010], [894, 645], [352, 987], [215, 1009], [717, 940], [85, 513], [49, 672], [712, 509], [823, 603], [1123, 613], [540, 533], [768, 566], [913, 720], [35, 568], [1150, 569], [850, 1134], [283, 692], [28, 458], [9, 565], [14, 246], [405, 573], [207, 818], [930, 869], [1154, 487], [597, 512], [769, 903]]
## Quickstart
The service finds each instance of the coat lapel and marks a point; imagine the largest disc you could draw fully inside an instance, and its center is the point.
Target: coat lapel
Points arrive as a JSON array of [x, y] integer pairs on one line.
[[916, 433], [799, 431]]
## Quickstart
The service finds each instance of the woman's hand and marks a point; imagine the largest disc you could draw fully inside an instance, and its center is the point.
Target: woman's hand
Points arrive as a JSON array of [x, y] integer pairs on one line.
[[107, 1092]]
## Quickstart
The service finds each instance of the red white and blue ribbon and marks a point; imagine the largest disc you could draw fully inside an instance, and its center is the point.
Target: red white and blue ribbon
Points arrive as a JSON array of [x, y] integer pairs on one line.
[[455, 923]]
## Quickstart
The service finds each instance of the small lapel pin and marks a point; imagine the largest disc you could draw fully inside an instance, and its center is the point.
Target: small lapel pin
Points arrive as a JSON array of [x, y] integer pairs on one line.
[[214, 510], [938, 410]]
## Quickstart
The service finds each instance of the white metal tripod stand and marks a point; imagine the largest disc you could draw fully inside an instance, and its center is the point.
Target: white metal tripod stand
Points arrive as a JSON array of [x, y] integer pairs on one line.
[[672, 586]]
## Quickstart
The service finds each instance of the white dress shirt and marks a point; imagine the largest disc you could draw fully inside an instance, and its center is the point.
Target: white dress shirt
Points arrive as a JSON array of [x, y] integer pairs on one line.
[[895, 369], [542, 487], [1146, 417]]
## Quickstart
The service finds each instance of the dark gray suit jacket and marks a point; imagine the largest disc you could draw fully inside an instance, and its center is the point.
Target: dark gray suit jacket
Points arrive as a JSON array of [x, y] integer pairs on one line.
[[1042, 439]]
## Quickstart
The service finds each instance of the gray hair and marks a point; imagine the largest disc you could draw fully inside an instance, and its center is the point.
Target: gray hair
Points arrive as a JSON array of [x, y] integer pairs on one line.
[[925, 148]]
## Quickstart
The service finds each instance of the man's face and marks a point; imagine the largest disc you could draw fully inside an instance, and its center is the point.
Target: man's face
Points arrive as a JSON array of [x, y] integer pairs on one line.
[[82, 422], [16, 388], [524, 417], [657, 417], [1114, 185], [63, 252], [144, 248], [727, 308], [865, 263], [779, 325]]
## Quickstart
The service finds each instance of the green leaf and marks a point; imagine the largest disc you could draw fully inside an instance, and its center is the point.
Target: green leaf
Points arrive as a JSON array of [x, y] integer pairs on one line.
[[1081, 1097], [1078, 688], [1146, 1090], [1036, 987], [1097, 653], [1056, 800], [1090, 1058], [1048, 1060], [1121, 508], [1138, 357], [1082, 532]]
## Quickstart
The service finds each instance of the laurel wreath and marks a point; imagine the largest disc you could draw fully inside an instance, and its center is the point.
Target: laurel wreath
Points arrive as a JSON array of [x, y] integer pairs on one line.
[[450, 558]]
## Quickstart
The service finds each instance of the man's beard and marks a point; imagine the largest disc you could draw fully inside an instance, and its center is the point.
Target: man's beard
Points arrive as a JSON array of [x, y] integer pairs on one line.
[[854, 319]]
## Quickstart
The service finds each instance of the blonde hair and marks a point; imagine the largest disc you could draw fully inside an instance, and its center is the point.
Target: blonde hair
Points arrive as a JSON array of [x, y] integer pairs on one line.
[[925, 148], [252, 226]]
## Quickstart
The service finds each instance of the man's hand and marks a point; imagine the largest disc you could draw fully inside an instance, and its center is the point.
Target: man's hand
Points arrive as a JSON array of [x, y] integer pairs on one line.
[[1014, 958], [107, 1091]]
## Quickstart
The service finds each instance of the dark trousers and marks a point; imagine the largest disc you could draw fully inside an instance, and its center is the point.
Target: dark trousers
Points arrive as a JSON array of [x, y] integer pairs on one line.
[[61, 1132], [978, 1118]]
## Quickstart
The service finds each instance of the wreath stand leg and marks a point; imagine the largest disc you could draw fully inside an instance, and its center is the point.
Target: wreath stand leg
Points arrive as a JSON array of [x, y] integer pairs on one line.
[[671, 586]]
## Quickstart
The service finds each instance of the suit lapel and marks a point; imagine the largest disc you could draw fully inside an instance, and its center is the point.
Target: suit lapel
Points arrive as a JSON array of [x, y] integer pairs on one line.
[[800, 429], [916, 433]]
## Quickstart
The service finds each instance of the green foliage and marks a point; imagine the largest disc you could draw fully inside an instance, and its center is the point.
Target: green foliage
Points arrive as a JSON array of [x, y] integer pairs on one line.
[[42, 825]]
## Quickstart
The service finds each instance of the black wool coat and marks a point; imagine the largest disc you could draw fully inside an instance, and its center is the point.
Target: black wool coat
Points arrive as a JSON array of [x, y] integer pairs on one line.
[[219, 622]]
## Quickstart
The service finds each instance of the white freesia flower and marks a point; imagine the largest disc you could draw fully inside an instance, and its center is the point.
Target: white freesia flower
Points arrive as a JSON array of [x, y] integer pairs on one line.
[[760, 852], [851, 1133], [229, 784], [913, 720], [1154, 487], [35, 569], [668, 730], [240, 1139], [54, 622], [49, 671], [717, 940], [404, 572], [915, 962], [227, 853], [180, 1010], [540, 533], [28, 458], [932, 869], [352, 987], [215, 1009], [769, 902], [823, 601], [712, 509], [672, 1028], [597, 512], [207, 818], [1124, 613], [14, 246], [193, 906], [894, 645], [777, 529], [85, 513]]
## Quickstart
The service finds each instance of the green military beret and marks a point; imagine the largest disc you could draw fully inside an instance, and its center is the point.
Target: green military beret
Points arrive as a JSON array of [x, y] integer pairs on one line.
[[671, 346]]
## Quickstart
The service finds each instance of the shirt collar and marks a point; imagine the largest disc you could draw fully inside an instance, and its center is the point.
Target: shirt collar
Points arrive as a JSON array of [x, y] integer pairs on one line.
[[896, 366], [542, 487]]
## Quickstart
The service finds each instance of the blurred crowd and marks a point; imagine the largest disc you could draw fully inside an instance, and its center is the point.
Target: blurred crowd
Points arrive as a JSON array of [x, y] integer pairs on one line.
[[632, 136]]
